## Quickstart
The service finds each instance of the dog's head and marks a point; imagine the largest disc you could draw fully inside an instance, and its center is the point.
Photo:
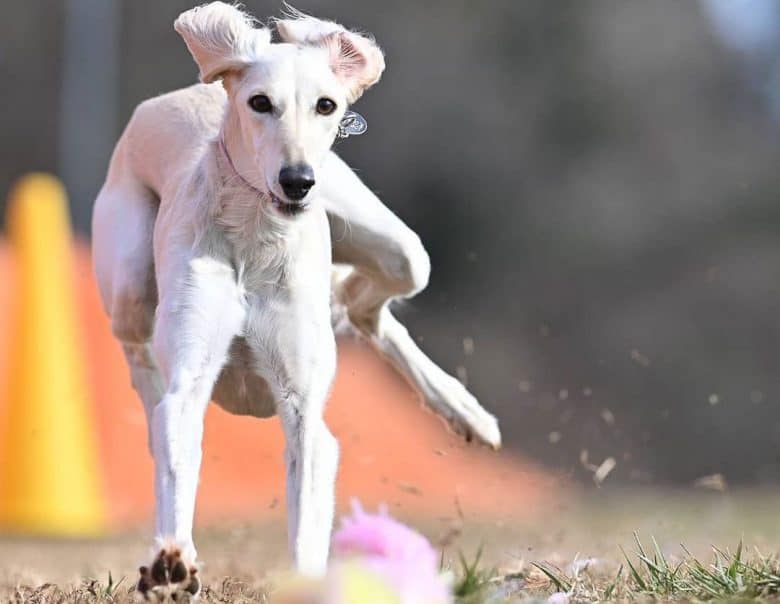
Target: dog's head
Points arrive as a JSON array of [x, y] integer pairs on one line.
[[287, 98]]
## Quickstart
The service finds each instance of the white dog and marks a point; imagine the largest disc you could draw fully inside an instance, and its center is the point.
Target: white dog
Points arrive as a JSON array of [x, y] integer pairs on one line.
[[212, 249]]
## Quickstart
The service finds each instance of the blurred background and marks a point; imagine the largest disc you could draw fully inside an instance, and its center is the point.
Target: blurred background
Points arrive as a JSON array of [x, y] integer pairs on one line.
[[596, 183]]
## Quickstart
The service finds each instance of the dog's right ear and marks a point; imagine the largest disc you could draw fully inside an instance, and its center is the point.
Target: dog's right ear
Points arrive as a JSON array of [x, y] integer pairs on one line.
[[355, 59], [221, 38]]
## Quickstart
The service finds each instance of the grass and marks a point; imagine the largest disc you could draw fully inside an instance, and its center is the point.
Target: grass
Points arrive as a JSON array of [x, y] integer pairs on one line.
[[524, 561], [643, 574], [93, 591], [472, 582]]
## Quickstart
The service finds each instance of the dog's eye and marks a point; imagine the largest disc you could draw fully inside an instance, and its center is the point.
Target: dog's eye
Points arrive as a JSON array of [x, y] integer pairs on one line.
[[261, 103], [325, 106]]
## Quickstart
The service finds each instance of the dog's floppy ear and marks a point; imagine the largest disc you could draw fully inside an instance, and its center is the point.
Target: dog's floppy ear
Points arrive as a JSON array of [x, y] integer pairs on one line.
[[221, 38], [356, 60]]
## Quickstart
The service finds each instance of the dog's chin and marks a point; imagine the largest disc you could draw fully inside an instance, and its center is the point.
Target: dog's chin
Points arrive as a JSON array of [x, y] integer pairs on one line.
[[288, 208]]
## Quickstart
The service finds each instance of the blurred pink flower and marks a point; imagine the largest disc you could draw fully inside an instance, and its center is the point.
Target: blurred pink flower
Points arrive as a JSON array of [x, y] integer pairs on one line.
[[393, 552]]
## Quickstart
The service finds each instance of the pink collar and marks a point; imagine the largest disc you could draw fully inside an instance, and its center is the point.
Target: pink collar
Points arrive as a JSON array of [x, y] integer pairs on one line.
[[223, 147]]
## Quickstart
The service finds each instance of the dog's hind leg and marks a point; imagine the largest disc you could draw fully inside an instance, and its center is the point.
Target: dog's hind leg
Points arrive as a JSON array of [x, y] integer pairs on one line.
[[440, 391], [146, 379], [123, 223], [390, 262]]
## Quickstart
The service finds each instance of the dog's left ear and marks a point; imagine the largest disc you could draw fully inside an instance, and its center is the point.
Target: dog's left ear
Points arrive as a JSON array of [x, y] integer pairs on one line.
[[356, 60]]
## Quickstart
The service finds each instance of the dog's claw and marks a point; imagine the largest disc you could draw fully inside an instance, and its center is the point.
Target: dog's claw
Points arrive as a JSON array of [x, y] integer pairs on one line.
[[168, 578]]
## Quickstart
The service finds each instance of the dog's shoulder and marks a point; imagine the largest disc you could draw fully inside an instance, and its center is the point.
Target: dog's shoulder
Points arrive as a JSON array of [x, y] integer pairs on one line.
[[200, 107], [168, 133]]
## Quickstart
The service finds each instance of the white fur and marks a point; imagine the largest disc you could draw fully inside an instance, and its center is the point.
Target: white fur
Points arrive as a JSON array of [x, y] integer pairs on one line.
[[213, 292], [220, 37], [355, 59]]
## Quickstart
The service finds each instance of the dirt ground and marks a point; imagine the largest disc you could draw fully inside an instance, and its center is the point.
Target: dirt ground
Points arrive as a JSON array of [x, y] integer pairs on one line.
[[591, 524]]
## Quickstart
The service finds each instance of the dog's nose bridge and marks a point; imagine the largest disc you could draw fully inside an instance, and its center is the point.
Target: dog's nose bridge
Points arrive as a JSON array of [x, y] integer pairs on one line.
[[293, 155], [296, 173], [293, 151], [295, 134]]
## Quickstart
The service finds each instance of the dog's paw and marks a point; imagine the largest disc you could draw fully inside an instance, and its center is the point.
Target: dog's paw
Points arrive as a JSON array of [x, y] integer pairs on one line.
[[169, 577]]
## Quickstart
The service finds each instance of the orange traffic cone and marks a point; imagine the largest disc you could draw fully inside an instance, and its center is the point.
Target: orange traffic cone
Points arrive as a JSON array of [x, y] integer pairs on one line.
[[50, 474]]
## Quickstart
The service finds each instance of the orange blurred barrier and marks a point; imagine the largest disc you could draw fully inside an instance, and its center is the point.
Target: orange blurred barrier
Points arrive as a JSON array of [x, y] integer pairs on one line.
[[50, 476], [392, 450]]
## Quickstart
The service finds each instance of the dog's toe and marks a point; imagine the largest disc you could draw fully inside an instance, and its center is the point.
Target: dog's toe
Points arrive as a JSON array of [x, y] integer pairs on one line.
[[169, 578]]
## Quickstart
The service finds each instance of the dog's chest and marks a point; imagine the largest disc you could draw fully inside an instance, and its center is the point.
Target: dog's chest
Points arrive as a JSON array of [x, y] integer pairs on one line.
[[263, 270], [261, 248], [274, 256]]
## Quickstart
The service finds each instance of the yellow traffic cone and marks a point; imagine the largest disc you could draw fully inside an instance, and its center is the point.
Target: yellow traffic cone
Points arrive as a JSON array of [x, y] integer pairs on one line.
[[50, 474]]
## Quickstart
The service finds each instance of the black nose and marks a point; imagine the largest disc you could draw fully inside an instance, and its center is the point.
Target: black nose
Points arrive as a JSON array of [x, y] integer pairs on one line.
[[296, 180]]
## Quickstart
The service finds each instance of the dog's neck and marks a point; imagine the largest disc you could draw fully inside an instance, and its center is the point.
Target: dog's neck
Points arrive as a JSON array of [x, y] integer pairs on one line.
[[237, 174], [240, 158]]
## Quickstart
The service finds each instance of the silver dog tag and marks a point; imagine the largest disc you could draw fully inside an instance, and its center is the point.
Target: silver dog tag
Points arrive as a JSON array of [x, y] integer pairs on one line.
[[352, 124]]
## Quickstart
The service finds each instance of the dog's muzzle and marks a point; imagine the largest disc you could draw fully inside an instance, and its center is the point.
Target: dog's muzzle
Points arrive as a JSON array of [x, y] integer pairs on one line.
[[288, 208]]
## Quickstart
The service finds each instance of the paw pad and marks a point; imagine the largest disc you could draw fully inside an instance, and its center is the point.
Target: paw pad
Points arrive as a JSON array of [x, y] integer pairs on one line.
[[168, 578]]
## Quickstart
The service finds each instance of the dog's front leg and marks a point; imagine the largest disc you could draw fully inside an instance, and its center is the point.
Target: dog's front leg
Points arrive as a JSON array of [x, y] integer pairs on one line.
[[198, 317], [311, 458], [297, 356]]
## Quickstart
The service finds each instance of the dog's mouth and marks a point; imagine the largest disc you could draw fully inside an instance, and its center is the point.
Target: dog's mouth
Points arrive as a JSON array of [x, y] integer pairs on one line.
[[287, 208]]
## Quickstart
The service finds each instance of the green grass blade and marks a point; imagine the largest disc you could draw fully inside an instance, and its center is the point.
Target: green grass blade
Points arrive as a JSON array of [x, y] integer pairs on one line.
[[634, 573], [560, 583]]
